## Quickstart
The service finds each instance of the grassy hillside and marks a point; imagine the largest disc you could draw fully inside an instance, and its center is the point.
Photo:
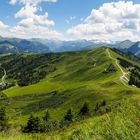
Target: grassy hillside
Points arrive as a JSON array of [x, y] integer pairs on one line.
[[84, 76], [122, 123]]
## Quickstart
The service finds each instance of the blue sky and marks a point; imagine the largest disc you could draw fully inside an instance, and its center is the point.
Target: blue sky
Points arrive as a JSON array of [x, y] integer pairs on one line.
[[69, 19], [59, 11]]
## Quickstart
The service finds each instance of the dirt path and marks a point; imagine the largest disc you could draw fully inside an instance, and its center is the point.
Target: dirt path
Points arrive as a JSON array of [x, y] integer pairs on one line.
[[3, 77], [123, 77]]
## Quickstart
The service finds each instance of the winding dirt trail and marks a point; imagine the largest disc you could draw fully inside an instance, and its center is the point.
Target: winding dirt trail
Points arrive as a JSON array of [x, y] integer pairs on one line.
[[123, 77], [3, 77]]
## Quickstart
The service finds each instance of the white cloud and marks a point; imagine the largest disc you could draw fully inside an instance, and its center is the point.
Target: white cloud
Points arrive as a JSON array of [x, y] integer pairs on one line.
[[30, 32], [28, 22], [29, 16], [34, 32], [32, 24], [13, 2], [26, 11], [67, 21], [70, 19], [3, 26], [112, 21]]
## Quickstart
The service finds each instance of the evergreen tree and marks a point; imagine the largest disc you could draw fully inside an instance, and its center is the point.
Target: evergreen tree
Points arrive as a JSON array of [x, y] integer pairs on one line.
[[3, 119], [84, 110], [33, 125], [68, 116]]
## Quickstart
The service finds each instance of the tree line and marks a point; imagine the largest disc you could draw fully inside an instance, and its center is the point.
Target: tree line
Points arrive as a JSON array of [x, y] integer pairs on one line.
[[135, 77], [45, 124]]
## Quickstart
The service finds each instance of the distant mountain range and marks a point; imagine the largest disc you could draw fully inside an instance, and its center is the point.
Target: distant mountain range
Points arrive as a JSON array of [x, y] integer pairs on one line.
[[36, 45], [15, 45], [61, 46], [124, 45], [128, 46]]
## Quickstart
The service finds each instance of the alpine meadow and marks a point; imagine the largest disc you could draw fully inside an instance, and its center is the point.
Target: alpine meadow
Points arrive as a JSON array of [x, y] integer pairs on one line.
[[69, 70]]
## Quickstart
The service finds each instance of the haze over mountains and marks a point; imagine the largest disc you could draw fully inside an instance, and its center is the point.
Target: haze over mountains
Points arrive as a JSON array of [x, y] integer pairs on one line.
[[36, 45]]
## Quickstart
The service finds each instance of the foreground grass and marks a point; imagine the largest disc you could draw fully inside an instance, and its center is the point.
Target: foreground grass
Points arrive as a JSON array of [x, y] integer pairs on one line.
[[123, 123]]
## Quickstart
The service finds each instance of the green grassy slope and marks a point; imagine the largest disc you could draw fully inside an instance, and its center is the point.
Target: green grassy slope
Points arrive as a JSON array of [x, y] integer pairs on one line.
[[121, 124], [79, 77]]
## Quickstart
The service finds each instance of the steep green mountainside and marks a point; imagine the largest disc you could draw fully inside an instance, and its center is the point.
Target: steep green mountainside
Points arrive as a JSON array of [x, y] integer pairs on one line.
[[67, 80], [124, 45], [75, 76], [128, 46]]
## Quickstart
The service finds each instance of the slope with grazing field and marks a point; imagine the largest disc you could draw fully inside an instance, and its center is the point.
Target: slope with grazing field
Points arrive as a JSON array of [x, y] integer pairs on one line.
[[71, 78]]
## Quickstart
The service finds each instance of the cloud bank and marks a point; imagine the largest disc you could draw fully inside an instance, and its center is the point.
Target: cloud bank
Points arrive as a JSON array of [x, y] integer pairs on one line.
[[114, 21], [31, 24], [34, 2], [111, 22]]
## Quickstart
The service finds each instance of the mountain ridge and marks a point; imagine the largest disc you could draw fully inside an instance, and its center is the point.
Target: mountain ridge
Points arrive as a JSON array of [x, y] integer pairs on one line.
[[37, 45]]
